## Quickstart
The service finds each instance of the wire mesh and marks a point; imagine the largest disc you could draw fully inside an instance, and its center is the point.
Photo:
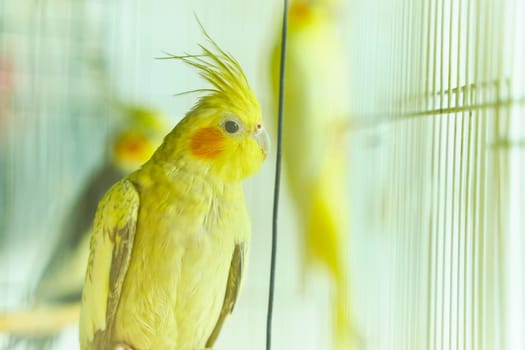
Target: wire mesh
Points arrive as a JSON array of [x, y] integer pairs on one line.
[[440, 228]]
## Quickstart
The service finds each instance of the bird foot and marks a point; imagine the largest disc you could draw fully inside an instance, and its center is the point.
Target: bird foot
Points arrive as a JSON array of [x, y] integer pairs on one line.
[[123, 347]]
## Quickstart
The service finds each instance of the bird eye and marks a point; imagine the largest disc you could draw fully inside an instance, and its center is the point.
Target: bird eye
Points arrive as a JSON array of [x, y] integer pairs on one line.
[[231, 126]]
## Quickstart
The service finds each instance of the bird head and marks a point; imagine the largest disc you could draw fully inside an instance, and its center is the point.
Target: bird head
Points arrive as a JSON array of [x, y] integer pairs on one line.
[[224, 131], [141, 134], [307, 13]]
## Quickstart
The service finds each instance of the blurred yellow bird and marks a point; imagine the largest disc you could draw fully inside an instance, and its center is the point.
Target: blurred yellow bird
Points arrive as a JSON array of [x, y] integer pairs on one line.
[[141, 132], [170, 240], [59, 288], [316, 112]]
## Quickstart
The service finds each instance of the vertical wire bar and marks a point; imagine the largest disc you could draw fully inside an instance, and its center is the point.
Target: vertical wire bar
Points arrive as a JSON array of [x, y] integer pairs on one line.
[[441, 198], [504, 164], [396, 249], [515, 254], [481, 186], [459, 233], [453, 238], [452, 119], [475, 226], [446, 91], [444, 232], [410, 301], [430, 331], [411, 296], [465, 214], [419, 339], [402, 166], [492, 202], [435, 174], [388, 155], [469, 227], [502, 177], [277, 183], [461, 229], [482, 260], [393, 254]]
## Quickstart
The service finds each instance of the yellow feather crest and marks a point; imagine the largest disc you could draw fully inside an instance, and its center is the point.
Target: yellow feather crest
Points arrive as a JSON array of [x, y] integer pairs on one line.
[[223, 72]]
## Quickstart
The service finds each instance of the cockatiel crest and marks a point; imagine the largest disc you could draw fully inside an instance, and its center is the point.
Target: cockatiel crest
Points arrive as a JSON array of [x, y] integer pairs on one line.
[[233, 106]]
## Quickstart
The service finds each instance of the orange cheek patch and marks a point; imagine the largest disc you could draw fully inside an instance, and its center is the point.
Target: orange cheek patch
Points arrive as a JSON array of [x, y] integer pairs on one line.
[[207, 143]]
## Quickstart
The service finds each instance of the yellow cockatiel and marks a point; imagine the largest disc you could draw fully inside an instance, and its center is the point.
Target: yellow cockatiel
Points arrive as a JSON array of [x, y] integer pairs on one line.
[[316, 119], [170, 240]]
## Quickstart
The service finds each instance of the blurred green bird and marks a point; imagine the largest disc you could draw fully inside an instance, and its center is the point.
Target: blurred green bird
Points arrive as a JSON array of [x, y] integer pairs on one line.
[[316, 121]]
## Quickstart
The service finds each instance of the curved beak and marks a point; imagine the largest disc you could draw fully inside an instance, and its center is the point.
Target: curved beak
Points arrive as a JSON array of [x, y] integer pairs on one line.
[[262, 138]]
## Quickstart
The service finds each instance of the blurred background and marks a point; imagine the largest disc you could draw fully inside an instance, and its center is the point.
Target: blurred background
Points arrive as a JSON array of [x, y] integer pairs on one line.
[[428, 191]]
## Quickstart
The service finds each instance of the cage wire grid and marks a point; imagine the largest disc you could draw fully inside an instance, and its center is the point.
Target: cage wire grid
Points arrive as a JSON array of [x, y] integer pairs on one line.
[[51, 90], [451, 138], [437, 244]]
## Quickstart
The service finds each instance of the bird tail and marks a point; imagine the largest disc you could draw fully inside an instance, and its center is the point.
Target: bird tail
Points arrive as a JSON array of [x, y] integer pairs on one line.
[[324, 239], [327, 234], [345, 334]]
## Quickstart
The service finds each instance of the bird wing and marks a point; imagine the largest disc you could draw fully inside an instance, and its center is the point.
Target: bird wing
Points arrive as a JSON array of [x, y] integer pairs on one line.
[[63, 277], [110, 252], [232, 290]]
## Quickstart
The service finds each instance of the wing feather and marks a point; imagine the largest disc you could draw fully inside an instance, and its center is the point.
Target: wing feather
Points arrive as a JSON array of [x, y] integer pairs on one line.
[[232, 291], [110, 252]]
